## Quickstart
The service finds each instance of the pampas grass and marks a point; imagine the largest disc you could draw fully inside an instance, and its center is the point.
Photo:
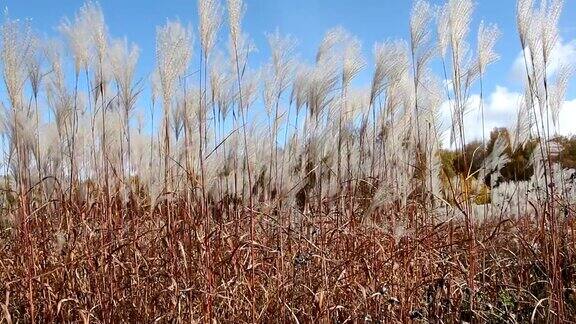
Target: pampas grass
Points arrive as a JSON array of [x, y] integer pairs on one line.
[[285, 192]]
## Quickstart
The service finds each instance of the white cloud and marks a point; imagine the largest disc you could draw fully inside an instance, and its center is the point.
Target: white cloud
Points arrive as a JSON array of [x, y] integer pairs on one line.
[[564, 53], [568, 118], [499, 111], [501, 106]]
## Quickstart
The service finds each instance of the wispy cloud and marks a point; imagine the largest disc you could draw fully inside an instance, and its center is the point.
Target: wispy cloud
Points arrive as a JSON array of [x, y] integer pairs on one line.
[[500, 109], [563, 54]]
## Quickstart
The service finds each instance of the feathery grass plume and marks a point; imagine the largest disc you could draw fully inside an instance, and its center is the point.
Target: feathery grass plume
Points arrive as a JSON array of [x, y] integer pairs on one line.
[[282, 59], [420, 34], [495, 161], [531, 21], [185, 116], [460, 15], [34, 65], [210, 19], [96, 31], [178, 118], [54, 52], [155, 93], [454, 21], [240, 46], [420, 19], [278, 76], [111, 130], [82, 139], [538, 161], [123, 60], [325, 75], [534, 54], [454, 24], [443, 28], [390, 62], [221, 86], [430, 100], [50, 150], [382, 60], [209, 12], [557, 93], [77, 34], [58, 96], [250, 86], [189, 98], [20, 127], [521, 130], [35, 74], [299, 94], [268, 90], [100, 82], [357, 104], [220, 99], [538, 36], [550, 12], [487, 37], [453, 30], [421, 52], [332, 38], [236, 9], [60, 100], [93, 18], [353, 62], [14, 53], [155, 86], [486, 40], [298, 97], [524, 13], [239, 50], [173, 54], [322, 83], [141, 143]]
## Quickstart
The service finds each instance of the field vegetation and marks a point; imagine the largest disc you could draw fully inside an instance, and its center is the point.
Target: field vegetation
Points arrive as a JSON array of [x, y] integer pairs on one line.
[[282, 192]]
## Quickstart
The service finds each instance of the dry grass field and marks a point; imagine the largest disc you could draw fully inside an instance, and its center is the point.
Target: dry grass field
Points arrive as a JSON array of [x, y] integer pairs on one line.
[[334, 207]]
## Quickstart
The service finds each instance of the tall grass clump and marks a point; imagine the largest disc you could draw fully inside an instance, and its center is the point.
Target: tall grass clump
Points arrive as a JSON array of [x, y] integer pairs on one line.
[[286, 191]]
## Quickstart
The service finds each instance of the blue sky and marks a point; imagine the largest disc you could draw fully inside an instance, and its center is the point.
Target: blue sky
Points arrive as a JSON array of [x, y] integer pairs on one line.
[[307, 20]]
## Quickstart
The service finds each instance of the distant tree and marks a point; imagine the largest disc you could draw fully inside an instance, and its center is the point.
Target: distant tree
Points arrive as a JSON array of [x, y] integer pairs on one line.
[[567, 156], [518, 169]]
